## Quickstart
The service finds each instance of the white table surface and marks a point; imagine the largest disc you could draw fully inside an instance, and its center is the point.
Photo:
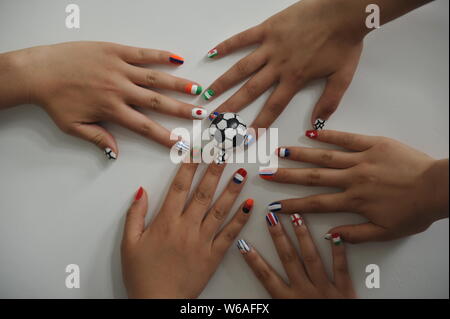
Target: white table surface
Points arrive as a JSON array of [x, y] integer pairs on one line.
[[61, 202]]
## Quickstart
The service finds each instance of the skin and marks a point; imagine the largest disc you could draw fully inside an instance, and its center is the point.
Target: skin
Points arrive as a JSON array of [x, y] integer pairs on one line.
[[312, 39], [178, 252], [400, 191], [82, 84]]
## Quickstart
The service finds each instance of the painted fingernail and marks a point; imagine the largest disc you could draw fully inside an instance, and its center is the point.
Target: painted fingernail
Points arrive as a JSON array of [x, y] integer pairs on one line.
[[175, 59], [266, 173], [335, 237], [221, 158], [297, 219], [212, 53], [283, 152], [139, 194], [182, 146], [193, 89], [213, 115], [208, 94], [248, 140], [243, 246], [199, 113], [274, 207], [319, 124], [248, 206], [110, 154], [239, 176], [271, 219], [311, 134]]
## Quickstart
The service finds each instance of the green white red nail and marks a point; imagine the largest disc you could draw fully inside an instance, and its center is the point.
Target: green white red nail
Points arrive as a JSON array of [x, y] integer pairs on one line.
[[212, 53]]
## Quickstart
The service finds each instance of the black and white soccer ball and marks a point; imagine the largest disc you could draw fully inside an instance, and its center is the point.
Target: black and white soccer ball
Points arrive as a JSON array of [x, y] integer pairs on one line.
[[228, 130]]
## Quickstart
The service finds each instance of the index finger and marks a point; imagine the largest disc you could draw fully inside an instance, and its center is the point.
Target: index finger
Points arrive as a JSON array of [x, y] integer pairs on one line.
[[135, 55]]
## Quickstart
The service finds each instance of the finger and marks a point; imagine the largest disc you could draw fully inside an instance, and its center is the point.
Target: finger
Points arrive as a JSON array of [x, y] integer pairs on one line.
[[268, 277], [204, 193], [308, 252], [307, 176], [135, 220], [360, 233], [246, 38], [162, 80], [136, 55], [289, 258], [219, 212], [350, 141], [97, 135], [251, 90], [342, 278], [153, 101], [229, 233], [323, 203], [321, 157], [238, 72]]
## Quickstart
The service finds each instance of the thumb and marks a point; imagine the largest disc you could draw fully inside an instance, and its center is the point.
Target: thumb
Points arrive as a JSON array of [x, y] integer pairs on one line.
[[361, 233], [135, 220], [97, 135]]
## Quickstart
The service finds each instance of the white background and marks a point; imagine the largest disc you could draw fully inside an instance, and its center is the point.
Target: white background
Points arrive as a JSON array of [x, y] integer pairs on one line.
[[61, 202]]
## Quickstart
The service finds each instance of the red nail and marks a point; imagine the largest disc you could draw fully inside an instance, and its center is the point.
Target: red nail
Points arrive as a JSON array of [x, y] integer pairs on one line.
[[139, 194], [312, 134], [175, 59], [248, 205]]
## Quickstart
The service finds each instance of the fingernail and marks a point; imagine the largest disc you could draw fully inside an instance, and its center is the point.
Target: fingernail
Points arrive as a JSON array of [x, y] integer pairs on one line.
[[213, 115], [212, 53], [248, 140], [110, 154], [283, 152], [175, 59], [243, 246], [221, 158], [248, 206], [271, 219], [199, 113], [335, 237], [297, 219], [209, 94], [319, 124], [311, 134], [274, 207], [266, 173], [239, 176], [182, 146], [193, 89], [139, 194]]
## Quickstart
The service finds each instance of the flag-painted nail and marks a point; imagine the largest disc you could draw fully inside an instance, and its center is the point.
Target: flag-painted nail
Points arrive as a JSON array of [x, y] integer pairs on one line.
[[335, 237], [199, 113], [243, 246], [221, 157], [274, 207], [272, 219], [319, 124], [239, 176], [283, 152], [297, 219], [110, 154], [311, 134], [266, 173], [139, 193], [182, 146], [193, 89], [213, 115], [248, 206], [175, 59], [248, 140], [212, 53], [209, 93]]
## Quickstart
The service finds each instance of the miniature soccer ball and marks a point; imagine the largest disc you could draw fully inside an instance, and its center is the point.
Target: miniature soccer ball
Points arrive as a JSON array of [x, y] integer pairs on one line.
[[228, 130]]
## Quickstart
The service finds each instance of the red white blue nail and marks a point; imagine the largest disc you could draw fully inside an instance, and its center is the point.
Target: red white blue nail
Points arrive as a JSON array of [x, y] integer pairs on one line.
[[243, 246], [110, 154], [213, 115], [297, 220], [248, 140], [175, 59], [311, 134], [199, 113], [267, 173], [239, 176], [248, 205], [274, 207], [319, 124], [283, 152], [335, 237], [272, 219]]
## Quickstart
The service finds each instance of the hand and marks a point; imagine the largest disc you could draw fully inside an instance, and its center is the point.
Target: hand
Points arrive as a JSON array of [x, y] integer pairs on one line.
[[176, 255], [399, 190], [302, 43], [81, 84], [306, 273]]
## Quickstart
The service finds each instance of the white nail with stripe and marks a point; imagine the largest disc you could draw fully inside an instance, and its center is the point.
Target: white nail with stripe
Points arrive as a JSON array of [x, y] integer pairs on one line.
[[297, 219], [182, 146], [243, 246], [110, 154]]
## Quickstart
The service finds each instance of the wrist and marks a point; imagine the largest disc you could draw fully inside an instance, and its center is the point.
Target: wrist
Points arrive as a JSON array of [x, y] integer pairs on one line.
[[437, 187]]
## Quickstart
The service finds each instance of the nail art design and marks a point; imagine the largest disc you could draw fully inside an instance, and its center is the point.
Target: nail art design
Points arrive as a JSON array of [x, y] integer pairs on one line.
[[213, 115], [199, 113], [319, 124], [248, 140], [266, 173], [139, 194], [283, 152], [110, 154], [193, 89], [327, 236], [175, 59], [208, 94], [212, 53], [248, 206], [239, 176], [311, 134], [297, 219], [274, 207], [243, 246], [335, 237], [221, 157], [182, 146], [271, 219]]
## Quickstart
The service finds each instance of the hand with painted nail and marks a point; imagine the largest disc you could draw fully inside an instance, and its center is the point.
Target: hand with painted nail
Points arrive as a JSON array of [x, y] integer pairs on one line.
[[305, 270], [178, 252], [82, 84], [400, 191]]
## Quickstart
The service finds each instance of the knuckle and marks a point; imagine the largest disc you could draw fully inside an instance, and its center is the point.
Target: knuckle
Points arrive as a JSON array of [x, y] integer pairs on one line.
[[202, 197], [326, 157], [154, 103], [315, 205], [275, 108], [180, 187], [150, 78], [242, 68], [348, 140], [251, 89], [241, 37], [216, 170], [311, 258], [219, 213], [140, 53], [230, 236], [145, 130], [263, 274], [97, 139], [313, 177], [287, 257]]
